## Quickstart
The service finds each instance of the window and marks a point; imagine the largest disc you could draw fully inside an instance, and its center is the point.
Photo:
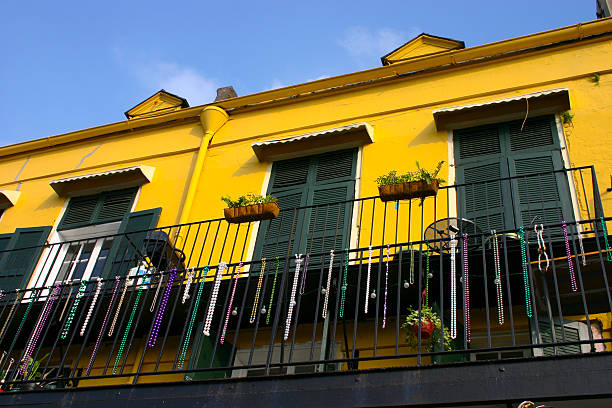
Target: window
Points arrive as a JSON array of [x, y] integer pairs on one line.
[[485, 154], [86, 244], [327, 178]]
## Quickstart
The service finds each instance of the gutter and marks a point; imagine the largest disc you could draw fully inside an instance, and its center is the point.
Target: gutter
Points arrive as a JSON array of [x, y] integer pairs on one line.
[[450, 58]]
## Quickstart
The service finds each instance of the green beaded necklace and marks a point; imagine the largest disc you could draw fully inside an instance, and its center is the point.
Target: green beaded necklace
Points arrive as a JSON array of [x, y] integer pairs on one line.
[[192, 320], [525, 272], [273, 289], [73, 309], [129, 325], [605, 234], [344, 283], [25, 315]]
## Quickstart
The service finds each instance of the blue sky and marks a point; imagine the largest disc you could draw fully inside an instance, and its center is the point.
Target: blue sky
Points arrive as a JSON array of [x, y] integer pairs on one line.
[[69, 65]]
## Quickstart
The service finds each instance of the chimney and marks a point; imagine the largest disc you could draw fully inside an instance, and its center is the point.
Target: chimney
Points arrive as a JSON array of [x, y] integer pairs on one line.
[[226, 92]]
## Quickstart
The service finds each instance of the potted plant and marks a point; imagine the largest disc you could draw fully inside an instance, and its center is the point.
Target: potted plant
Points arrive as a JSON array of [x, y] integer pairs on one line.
[[32, 373], [416, 184], [430, 324], [250, 207]]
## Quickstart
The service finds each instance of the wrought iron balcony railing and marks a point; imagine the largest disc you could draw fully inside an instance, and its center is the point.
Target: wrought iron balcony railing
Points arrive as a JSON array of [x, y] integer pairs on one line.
[[213, 300]]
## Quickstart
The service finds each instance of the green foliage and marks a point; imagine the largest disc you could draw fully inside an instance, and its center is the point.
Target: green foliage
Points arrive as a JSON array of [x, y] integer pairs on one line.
[[32, 372], [427, 315], [595, 78], [392, 177], [567, 117], [248, 199]]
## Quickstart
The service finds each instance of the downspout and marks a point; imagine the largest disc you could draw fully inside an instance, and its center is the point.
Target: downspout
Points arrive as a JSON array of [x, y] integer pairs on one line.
[[212, 118]]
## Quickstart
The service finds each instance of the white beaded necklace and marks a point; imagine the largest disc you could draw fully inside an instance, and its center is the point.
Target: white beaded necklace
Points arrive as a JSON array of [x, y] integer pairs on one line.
[[411, 282], [498, 283], [328, 287], [453, 308], [91, 306], [154, 301], [126, 283], [213, 298], [190, 273], [367, 294], [539, 230], [296, 277]]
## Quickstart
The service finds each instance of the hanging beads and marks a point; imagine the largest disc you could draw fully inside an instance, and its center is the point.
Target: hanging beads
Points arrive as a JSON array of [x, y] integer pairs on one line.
[[466, 287], [605, 234], [95, 349], [384, 323], [570, 264], [411, 281], [229, 307], [273, 290], [73, 309], [367, 294], [112, 328], [190, 274], [498, 283], [427, 273], [303, 285], [24, 317], [328, 287], [162, 309], [68, 297], [181, 359], [32, 344], [159, 285], [528, 308], [213, 298], [296, 277], [453, 282], [344, 282], [18, 297], [91, 306], [539, 230], [129, 325], [258, 291]]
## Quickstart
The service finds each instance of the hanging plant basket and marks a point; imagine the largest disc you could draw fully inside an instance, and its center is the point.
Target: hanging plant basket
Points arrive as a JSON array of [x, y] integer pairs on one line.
[[406, 191], [253, 212], [427, 328]]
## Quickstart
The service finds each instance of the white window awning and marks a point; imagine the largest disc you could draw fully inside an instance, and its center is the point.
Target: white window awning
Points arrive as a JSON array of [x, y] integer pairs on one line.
[[499, 110], [8, 198], [104, 181], [322, 141]]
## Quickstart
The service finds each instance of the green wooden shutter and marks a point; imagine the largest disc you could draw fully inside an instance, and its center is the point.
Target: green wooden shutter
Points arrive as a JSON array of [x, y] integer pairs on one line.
[[479, 159], [24, 249], [129, 247], [486, 153], [535, 150], [563, 332], [321, 179], [108, 206]]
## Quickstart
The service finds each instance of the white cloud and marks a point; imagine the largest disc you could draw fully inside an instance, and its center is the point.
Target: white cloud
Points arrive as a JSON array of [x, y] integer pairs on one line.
[[361, 41], [181, 80], [276, 83]]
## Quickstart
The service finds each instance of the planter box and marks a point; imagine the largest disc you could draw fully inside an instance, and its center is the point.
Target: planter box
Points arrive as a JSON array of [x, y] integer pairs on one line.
[[249, 213], [406, 191]]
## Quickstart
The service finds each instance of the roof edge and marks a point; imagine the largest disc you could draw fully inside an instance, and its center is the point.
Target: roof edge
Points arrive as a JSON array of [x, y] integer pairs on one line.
[[573, 32]]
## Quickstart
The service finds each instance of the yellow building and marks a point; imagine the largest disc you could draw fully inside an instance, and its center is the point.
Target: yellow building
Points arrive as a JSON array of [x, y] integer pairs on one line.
[[512, 251]]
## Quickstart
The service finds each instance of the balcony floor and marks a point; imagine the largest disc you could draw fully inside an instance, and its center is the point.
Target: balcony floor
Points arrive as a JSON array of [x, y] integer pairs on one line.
[[558, 381]]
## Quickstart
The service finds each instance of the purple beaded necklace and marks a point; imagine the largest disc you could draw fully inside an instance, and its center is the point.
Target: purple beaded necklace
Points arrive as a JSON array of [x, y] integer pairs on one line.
[[162, 309]]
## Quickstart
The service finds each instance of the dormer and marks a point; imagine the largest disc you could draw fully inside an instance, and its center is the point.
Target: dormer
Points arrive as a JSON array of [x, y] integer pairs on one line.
[[421, 46], [160, 103]]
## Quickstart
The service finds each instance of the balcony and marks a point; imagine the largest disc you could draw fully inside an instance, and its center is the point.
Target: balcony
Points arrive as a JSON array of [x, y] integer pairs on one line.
[[187, 304]]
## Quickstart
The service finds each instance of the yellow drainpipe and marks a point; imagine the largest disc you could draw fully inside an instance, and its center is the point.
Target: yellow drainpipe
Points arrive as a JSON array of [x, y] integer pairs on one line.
[[212, 118]]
